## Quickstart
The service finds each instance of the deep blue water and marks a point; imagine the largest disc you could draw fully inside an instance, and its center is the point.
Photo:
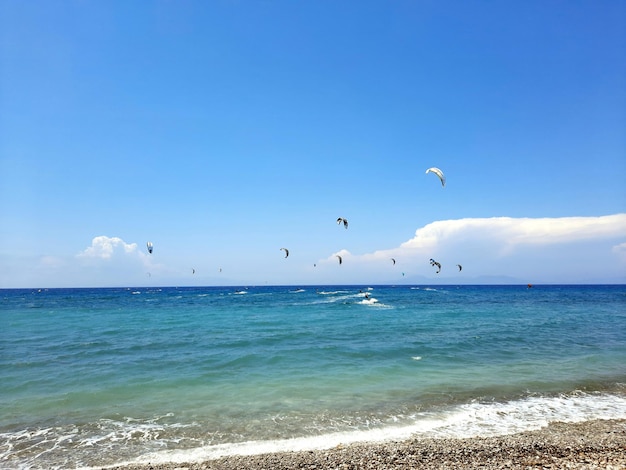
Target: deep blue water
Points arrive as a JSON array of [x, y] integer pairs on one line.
[[92, 377]]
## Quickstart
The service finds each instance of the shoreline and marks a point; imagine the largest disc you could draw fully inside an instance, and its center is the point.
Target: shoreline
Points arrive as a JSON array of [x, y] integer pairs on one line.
[[585, 445]]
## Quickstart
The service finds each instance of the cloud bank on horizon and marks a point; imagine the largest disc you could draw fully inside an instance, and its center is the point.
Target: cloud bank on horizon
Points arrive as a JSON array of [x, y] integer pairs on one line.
[[532, 249], [508, 232]]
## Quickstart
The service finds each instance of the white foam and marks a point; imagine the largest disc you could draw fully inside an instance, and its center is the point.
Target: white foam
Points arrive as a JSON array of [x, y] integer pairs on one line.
[[372, 302], [336, 298], [468, 420]]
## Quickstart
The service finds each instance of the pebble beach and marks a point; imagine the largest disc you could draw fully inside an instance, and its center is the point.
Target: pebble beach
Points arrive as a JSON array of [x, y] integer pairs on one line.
[[598, 444]]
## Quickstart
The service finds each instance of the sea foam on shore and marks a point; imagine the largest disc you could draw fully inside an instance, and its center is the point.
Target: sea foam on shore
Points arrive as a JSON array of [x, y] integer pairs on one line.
[[585, 445], [469, 420]]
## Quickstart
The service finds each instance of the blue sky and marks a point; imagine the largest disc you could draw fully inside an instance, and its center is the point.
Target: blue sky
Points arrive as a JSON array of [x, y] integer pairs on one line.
[[222, 131]]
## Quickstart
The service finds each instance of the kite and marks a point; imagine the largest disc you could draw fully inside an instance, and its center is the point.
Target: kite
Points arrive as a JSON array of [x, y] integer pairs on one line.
[[149, 245], [435, 263], [460, 267], [345, 222], [286, 251], [340, 259], [439, 173], [394, 261]]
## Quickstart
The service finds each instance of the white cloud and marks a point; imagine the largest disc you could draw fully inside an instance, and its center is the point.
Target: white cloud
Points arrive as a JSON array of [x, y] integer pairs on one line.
[[621, 251], [104, 247], [507, 232], [565, 249], [550, 250]]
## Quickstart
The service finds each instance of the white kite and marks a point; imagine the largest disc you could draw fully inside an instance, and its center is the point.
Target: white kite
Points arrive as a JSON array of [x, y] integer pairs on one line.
[[439, 173]]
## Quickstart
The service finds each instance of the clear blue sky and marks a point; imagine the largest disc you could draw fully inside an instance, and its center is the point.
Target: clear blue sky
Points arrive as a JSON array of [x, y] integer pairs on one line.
[[222, 131]]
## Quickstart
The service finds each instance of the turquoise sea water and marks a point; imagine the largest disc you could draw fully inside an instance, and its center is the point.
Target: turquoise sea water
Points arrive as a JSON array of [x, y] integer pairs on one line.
[[95, 377]]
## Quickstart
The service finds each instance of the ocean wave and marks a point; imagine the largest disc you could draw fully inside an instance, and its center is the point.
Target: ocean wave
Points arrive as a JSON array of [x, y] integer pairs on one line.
[[462, 421], [163, 439]]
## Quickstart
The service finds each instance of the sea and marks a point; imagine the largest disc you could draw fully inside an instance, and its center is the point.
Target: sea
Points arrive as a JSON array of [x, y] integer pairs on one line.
[[91, 378]]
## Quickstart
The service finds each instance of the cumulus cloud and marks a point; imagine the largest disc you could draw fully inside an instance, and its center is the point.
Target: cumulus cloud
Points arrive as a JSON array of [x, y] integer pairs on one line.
[[511, 232], [564, 249], [343, 253], [111, 261], [103, 247]]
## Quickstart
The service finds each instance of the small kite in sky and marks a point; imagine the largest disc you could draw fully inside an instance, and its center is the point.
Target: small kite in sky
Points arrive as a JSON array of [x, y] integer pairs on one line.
[[439, 173], [435, 263]]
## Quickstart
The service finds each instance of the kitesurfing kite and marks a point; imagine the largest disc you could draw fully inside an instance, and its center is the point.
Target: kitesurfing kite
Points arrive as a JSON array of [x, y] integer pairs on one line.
[[435, 263], [394, 261], [149, 245], [286, 251], [345, 222], [460, 267], [340, 259], [439, 173]]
